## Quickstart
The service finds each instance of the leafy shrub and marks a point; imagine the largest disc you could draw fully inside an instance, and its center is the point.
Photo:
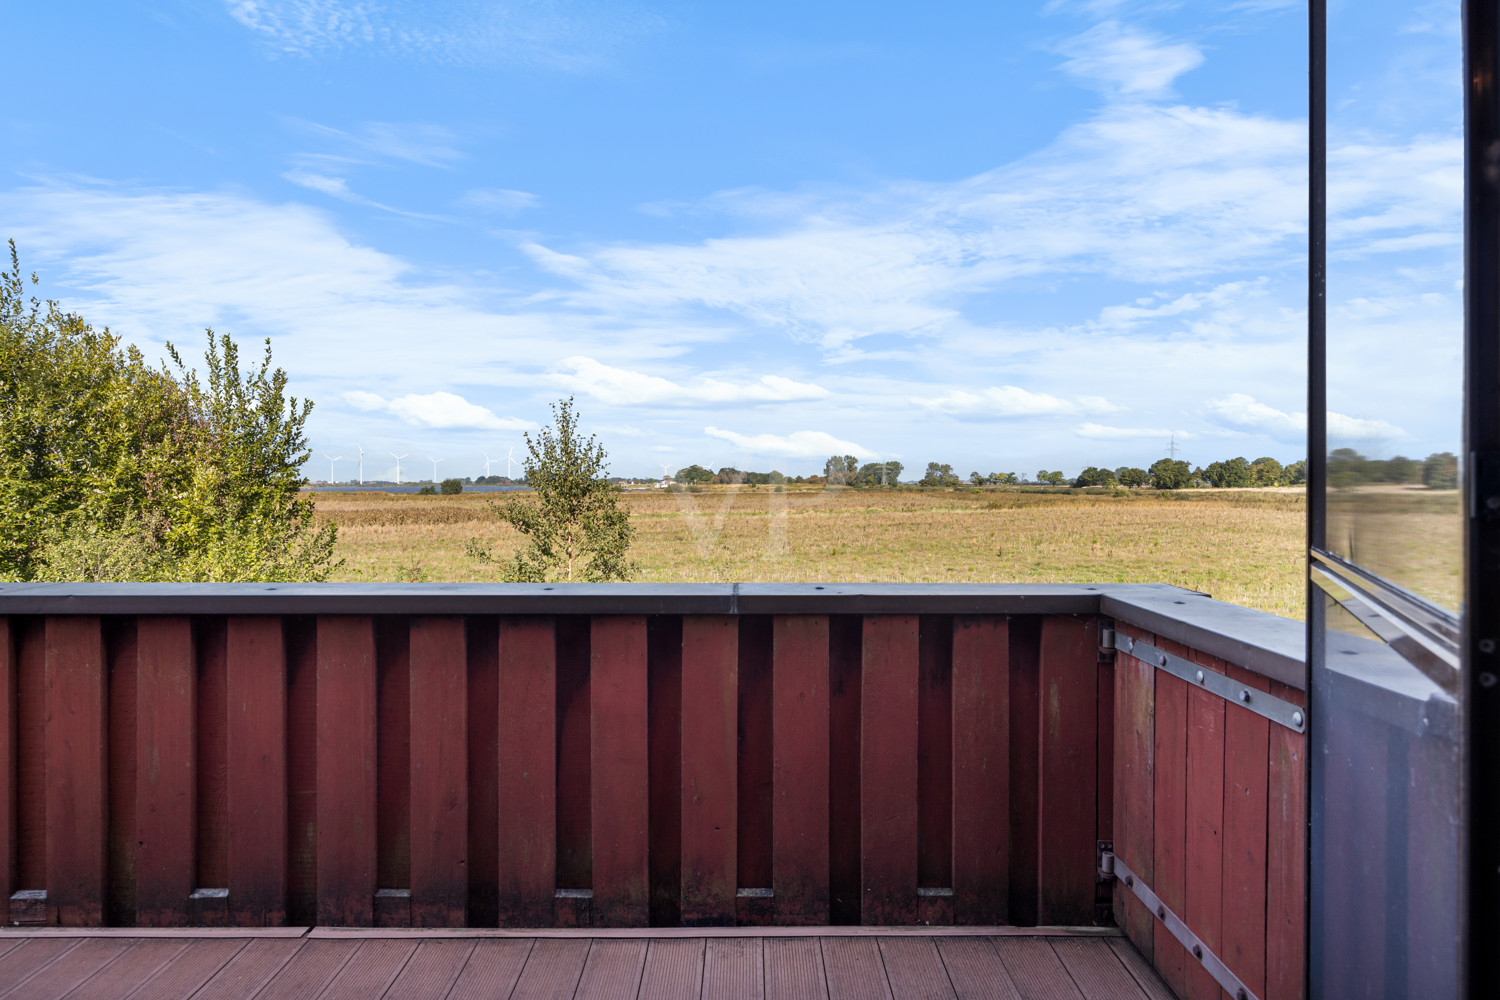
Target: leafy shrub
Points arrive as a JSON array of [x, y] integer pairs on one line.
[[452, 486]]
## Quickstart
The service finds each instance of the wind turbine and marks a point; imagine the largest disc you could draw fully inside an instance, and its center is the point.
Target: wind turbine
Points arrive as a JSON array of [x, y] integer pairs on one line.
[[434, 462], [331, 460], [487, 461], [508, 462], [398, 459], [361, 464]]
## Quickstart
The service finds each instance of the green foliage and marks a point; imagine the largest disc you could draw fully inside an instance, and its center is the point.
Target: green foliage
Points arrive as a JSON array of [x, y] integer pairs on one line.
[[427, 491], [1233, 473], [1055, 478], [1440, 471], [939, 474], [1167, 474], [112, 470], [452, 487], [694, 475], [575, 527], [1130, 476], [1295, 474], [1095, 477]]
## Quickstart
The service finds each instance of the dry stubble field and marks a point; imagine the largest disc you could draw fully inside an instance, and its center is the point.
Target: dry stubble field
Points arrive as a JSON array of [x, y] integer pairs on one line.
[[1240, 546]]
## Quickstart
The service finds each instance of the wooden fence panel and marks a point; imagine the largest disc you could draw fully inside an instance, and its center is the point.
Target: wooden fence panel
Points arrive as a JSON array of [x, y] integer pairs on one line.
[[166, 787], [1169, 811], [74, 741], [526, 770], [710, 686], [800, 737], [439, 773], [346, 766], [888, 770], [256, 675], [1069, 744], [619, 766], [8, 765], [981, 770]]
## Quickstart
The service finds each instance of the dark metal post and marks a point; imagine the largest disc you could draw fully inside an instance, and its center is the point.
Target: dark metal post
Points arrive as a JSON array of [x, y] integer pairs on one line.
[[1480, 715], [1317, 382]]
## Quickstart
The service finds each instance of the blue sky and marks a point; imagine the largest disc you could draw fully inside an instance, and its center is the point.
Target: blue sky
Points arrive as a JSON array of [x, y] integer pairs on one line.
[[1003, 236]]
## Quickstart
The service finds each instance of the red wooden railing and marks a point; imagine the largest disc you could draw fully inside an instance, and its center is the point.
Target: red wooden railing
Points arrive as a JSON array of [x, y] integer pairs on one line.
[[793, 758]]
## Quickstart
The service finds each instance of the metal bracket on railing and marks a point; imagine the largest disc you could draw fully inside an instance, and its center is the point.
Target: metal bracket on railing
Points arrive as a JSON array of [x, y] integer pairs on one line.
[[1278, 710], [1212, 964]]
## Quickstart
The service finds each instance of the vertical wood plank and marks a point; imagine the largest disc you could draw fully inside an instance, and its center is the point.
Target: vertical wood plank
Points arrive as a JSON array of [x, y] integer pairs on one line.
[[619, 770], [888, 769], [1246, 772], [120, 648], [845, 636], [1205, 818], [935, 765], [166, 780], [302, 769], [393, 815], [75, 769], [346, 777], [211, 715], [1025, 765], [1286, 852], [482, 639], [439, 773], [1170, 833], [575, 851], [9, 766], [527, 772], [1069, 770], [981, 770], [256, 677], [710, 689], [664, 681], [800, 738], [1134, 788], [755, 769]]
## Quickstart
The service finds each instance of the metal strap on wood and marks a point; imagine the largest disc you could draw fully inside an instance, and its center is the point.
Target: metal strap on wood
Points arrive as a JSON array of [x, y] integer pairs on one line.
[[1179, 930], [1278, 710]]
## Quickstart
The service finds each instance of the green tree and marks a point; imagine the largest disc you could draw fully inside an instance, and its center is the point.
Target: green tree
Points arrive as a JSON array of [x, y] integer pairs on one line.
[[1055, 478], [1347, 468], [1295, 474], [1440, 471], [1095, 477], [452, 487], [1233, 473], [98, 451], [1169, 475], [1130, 476], [939, 474], [573, 522], [694, 475], [1401, 469], [1266, 471]]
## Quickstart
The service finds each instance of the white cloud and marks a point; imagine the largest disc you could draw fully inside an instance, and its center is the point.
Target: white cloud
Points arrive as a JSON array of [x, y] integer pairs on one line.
[[1126, 62], [567, 34], [437, 410], [1100, 432], [623, 387], [1011, 401], [1243, 410], [798, 444], [501, 201]]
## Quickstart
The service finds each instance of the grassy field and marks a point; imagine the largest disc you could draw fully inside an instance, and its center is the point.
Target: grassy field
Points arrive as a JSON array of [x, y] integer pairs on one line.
[[1241, 546]]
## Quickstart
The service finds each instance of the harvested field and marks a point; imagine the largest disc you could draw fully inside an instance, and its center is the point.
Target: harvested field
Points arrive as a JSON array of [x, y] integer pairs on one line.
[[1243, 546]]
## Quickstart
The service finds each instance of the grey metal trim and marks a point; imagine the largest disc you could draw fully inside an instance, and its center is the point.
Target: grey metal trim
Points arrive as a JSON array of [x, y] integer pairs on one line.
[[1264, 643], [1423, 633], [214, 894], [1173, 923], [1278, 710], [573, 894], [935, 892], [755, 893]]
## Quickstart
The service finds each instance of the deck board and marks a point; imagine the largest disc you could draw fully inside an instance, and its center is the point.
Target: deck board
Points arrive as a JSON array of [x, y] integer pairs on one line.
[[417, 965]]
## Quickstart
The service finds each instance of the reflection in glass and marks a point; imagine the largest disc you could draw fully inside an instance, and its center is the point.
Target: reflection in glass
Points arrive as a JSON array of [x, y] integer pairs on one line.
[[1395, 314]]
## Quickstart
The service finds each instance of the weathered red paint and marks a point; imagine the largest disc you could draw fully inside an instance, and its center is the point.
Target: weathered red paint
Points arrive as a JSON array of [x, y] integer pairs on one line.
[[799, 733], [755, 767], [482, 639], [256, 679], [981, 770], [1135, 692], [1205, 818], [710, 689], [1170, 837], [302, 770], [393, 726], [664, 724], [1069, 745], [29, 636], [74, 740], [618, 771], [346, 778], [1286, 836], [935, 765], [119, 644], [525, 771], [8, 767], [888, 770], [439, 772], [165, 782], [211, 773]]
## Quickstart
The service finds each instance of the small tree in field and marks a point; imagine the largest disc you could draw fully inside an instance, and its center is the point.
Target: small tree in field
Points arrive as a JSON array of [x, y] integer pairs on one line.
[[573, 522]]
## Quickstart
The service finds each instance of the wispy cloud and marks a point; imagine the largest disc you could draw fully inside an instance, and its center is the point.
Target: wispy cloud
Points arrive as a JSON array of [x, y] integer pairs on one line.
[[623, 387], [1126, 62], [1011, 401], [437, 410], [565, 34], [798, 444], [1242, 410], [422, 143], [500, 201], [1101, 432]]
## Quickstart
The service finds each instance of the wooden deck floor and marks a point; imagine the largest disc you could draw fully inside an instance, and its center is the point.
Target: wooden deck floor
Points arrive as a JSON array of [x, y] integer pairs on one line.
[[896, 967]]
